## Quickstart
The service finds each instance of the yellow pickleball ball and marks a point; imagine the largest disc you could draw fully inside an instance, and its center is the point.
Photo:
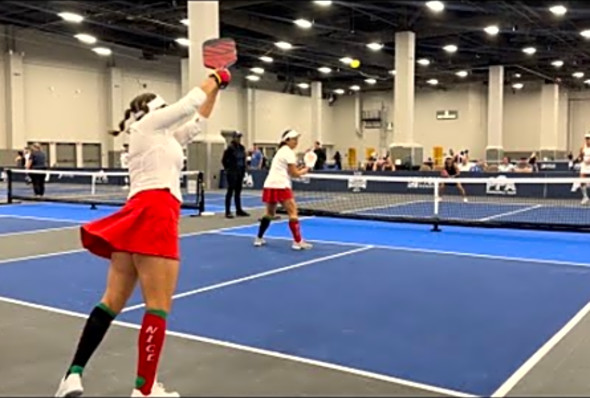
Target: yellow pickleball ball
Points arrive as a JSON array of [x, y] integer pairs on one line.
[[355, 63]]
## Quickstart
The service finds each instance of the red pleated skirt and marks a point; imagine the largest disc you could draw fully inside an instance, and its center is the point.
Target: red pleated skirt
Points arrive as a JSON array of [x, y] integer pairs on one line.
[[276, 195], [147, 225]]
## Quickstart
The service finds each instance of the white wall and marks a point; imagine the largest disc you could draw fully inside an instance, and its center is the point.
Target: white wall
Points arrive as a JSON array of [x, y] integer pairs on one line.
[[522, 121], [3, 121], [579, 119]]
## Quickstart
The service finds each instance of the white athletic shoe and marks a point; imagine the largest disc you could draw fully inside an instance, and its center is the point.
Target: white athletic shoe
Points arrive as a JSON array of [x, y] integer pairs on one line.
[[158, 390], [70, 386], [576, 186], [259, 242], [585, 201], [465, 200], [301, 246]]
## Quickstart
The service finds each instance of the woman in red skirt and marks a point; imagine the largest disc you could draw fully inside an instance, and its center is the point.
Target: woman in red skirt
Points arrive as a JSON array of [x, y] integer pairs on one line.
[[141, 240], [277, 189]]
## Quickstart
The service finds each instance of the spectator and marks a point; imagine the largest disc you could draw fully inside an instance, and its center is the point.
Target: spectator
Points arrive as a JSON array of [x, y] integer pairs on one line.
[[338, 160], [256, 159], [321, 154], [465, 166], [506, 166], [234, 164], [20, 160], [37, 161], [533, 163], [523, 166]]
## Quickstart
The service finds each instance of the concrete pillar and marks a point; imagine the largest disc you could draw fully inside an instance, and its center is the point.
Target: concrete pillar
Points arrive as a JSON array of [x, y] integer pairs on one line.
[[79, 155], [316, 112], [403, 146], [184, 76], [549, 121], [115, 113], [495, 148], [15, 102], [206, 152], [250, 116]]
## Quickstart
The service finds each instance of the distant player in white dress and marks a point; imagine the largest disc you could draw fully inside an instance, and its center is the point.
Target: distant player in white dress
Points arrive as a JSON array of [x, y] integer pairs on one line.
[[585, 167]]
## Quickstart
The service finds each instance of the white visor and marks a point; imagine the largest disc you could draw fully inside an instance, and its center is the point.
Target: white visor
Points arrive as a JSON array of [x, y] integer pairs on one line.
[[289, 134], [156, 103], [587, 135]]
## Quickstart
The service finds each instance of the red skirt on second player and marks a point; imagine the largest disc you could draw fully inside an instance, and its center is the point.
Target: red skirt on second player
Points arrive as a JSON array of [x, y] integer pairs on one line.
[[147, 224], [276, 195]]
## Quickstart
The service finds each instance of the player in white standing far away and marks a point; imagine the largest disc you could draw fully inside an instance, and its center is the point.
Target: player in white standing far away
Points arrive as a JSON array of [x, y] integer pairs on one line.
[[277, 189], [584, 169]]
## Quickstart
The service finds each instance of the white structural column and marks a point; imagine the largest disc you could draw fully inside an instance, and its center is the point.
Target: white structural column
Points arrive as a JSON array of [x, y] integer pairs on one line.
[[184, 76], [116, 108], [316, 111], [206, 152], [79, 155], [403, 147], [549, 139], [15, 102], [495, 149], [250, 116]]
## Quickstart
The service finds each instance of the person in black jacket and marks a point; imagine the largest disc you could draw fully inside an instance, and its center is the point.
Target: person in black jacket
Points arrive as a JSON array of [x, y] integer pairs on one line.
[[234, 164]]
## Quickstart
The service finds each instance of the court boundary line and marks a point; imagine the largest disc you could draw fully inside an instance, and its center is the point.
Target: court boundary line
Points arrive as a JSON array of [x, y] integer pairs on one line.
[[428, 251], [35, 231], [511, 213], [43, 219], [541, 353], [254, 350], [259, 275]]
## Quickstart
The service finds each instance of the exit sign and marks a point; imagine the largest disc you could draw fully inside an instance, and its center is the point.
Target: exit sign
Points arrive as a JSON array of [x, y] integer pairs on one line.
[[447, 115]]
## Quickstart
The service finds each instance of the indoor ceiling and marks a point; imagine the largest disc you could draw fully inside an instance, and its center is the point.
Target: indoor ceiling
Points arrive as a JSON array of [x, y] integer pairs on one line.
[[343, 29]]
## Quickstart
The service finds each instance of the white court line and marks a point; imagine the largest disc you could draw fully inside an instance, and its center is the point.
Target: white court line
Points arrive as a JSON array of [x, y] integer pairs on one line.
[[259, 351], [430, 251], [510, 213], [43, 218], [394, 205], [541, 353], [257, 276], [36, 231]]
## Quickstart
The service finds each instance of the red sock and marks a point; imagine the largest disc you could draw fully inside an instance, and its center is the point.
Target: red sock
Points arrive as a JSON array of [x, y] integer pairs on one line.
[[151, 341], [295, 230]]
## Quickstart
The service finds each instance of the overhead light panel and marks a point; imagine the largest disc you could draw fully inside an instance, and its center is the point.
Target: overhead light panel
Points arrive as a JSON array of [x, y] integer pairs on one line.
[[267, 59], [529, 50], [102, 51], [339, 91], [84, 38], [371, 81], [325, 3], [558, 10], [392, 72], [557, 63], [355, 88], [587, 81], [450, 48], [185, 22], [283, 45], [183, 41], [346, 60], [432, 82], [253, 78], [303, 86], [424, 61], [517, 75], [303, 23], [375, 46], [71, 17], [462, 73], [518, 86], [578, 75], [492, 30], [325, 70], [257, 70], [585, 34], [436, 6]]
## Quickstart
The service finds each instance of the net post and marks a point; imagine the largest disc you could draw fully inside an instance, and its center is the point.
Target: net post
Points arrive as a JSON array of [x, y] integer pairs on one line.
[[9, 186], [200, 194], [436, 227]]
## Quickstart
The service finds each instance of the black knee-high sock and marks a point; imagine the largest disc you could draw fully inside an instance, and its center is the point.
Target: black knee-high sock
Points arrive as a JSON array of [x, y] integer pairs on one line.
[[264, 224], [94, 331]]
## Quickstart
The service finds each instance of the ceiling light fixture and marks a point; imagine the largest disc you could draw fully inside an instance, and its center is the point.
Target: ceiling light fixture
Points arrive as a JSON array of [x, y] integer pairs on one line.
[[462, 73], [339, 91], [585, 34], [266, 58], [392, 72], [436, 6], [303, 23], [346, 60], [587, 81], [323, 3], [185, 22], [371, 81], [492, 30], [424, 61], [102, 51], [303, 86], [283, 45], [355, 88], [71, 17], [557, 63], [253, 78], [183, 41], [529, 50], [375, 46], [450, 48], [578, 75], [517, 75], [518, 86], [257, 70], [325, 70], [84, 38], [432, 82], [558, 10]]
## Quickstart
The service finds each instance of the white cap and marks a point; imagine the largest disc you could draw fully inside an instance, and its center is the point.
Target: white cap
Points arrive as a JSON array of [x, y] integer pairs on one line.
[[289, 134]]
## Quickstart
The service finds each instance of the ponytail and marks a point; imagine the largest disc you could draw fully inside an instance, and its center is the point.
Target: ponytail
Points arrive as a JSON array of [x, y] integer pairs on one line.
[[122, 124]]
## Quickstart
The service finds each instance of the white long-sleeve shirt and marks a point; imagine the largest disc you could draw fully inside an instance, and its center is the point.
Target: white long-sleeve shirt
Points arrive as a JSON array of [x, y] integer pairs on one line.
[[156, 147]]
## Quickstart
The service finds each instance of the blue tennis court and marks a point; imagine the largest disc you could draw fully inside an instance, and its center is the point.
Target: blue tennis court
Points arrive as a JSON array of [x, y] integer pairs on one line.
[[460, 310]]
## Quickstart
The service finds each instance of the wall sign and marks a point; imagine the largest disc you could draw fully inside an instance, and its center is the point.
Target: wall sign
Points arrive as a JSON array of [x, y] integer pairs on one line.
[[447, 115]]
